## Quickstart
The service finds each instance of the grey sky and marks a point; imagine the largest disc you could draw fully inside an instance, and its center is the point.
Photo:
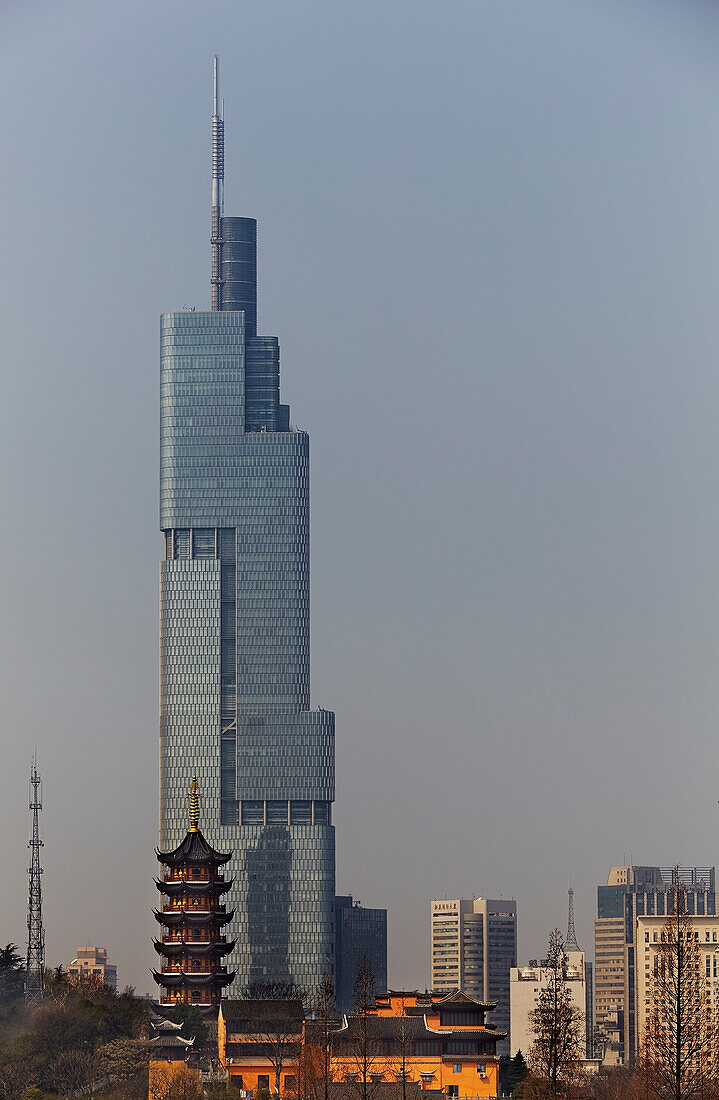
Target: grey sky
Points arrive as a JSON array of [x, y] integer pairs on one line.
[[489, 244]]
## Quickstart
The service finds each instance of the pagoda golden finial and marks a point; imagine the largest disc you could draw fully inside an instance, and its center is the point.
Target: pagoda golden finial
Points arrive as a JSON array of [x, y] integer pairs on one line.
[[194, 800]]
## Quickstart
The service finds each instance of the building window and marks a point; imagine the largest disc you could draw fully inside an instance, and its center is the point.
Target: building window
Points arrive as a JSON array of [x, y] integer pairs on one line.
[[481, 1067], [290, 1082], [263, 1080], [456, 1067]]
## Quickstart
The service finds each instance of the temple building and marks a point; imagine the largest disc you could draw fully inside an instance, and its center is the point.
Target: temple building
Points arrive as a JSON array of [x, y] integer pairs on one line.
[[402, 1044], [193, 915]]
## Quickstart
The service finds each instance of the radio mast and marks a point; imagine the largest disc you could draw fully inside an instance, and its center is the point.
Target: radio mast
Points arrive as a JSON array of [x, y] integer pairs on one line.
[[571, 941], [35, 965]]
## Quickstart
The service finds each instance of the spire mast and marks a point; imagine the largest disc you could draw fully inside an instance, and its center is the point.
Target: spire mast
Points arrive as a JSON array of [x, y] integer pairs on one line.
[[571, 940], [218, 179], [194, 800]]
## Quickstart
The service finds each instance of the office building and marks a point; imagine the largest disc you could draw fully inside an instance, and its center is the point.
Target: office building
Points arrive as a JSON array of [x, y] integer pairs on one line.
[[359, 933], [235, 617], [632, 892], [649, 951], [92, 962], [474, 946], [525, 985]]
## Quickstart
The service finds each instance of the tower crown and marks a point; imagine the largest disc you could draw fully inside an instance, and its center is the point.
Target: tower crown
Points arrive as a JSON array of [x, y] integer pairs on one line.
[[194, 799]]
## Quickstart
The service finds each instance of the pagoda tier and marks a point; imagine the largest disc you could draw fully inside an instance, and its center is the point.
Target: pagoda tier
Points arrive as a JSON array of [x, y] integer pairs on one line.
[[193, 915], [182, 981], [194, 949], [193, 887]]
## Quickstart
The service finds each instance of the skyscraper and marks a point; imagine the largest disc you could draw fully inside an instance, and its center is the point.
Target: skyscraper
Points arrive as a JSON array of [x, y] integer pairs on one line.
[[633, 892], [474, 947], [235, 616], [360, 933]]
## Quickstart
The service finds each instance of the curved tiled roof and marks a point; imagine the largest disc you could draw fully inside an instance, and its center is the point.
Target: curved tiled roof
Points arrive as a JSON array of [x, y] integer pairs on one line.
[[193, 849]]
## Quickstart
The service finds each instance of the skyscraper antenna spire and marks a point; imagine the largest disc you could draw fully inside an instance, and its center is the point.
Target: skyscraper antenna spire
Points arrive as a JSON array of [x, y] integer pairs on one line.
[[218, 179], [571, 941]]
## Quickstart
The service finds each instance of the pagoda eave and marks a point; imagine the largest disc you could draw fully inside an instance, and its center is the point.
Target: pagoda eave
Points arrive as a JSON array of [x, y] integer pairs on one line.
[[181, 979], [193, 917], [203, 949], [192, 887]]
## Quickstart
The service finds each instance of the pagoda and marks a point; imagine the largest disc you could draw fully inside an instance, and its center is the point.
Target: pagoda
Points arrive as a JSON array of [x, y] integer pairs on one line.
[[193, 915]]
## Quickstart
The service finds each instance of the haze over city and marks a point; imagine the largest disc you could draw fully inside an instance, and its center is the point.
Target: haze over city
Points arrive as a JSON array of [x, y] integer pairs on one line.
[[488, 242]]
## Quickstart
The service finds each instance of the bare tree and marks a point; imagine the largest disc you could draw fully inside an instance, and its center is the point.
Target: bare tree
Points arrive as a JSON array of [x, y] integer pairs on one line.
[[317, 1067], [173, 1081], [268, 989], [681, 1041], [555, 1057]]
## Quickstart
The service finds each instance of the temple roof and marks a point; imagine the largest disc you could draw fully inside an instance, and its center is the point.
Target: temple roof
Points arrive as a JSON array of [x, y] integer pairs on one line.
[[162, 1024], [458, 999], [193, 849], [170, 1040]]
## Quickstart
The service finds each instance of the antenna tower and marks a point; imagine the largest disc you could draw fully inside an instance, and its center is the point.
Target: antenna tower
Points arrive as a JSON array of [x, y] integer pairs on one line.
[[35, 965], [571, 941], [218, 180]]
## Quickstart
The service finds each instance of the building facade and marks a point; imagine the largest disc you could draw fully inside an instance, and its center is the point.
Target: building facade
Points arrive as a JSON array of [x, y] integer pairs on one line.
[[632, 892], [359, 933], [404, 1042], [525, 985], [649, 936], [473, 948], [92, 962], [234, 620]]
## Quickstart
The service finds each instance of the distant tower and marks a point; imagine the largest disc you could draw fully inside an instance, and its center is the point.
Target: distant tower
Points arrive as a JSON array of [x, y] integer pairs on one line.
[[193, 915], [571, 941], [35, 964]]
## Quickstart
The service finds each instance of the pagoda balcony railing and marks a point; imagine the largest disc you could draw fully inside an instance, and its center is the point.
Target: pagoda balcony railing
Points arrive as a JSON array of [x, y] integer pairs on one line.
[[184, 877], [191, 905], [178, 938]]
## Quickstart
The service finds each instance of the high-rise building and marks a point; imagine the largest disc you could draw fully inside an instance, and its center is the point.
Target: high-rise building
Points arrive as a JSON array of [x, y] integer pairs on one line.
[[360, 933], [474, 946], [235, 616], [632, 892]]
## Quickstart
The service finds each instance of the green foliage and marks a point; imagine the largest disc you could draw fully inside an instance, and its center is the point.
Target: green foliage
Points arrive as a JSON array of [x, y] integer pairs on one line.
[[516, 1073]]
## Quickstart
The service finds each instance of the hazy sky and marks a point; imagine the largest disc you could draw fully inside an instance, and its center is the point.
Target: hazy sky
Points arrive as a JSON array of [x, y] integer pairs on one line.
[[489, 244]]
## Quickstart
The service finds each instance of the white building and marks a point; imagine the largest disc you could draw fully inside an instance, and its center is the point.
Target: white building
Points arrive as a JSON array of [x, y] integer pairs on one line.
[[525, 985]]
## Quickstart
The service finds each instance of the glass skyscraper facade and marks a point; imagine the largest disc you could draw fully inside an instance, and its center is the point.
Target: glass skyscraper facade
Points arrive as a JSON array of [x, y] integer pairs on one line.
[[234, 626]]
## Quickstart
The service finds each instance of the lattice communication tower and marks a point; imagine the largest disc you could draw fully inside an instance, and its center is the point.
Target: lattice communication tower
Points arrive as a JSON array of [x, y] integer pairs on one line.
[[35, 964], [571, 940]]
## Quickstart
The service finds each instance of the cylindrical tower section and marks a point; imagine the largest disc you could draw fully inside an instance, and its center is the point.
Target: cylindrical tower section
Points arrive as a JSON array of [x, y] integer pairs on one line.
[[239, 269]]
